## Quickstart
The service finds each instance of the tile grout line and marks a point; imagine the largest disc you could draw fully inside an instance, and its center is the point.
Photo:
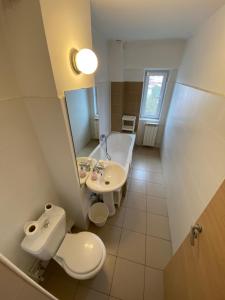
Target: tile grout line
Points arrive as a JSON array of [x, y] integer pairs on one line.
[[146, 226], [157, 197], [148, 180], [159, 238], [117, 254], [144, 283], [151, 170], [154, 214], [93, 288], [154, 268], [145, 234]]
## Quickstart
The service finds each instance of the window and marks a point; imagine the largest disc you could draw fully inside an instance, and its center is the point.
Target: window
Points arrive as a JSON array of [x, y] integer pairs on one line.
[[153, 94], [95, 102]]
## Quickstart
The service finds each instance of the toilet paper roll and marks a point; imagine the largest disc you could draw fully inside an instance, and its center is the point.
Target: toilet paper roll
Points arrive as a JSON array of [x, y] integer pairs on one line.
[[49, 207], [31, 228]]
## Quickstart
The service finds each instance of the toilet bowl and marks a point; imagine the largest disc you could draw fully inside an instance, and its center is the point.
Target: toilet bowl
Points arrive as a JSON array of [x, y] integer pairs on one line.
[[81, 255]]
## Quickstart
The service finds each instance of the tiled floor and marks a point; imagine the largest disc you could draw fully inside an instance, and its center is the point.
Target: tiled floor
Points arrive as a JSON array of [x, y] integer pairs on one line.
[[137, 241]]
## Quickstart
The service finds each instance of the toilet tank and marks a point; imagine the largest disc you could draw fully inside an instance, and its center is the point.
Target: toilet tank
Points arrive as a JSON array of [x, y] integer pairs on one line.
[[44, 236]]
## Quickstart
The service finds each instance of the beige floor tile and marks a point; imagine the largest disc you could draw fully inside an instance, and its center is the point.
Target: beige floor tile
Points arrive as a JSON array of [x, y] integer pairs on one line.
[[158, 226], [154, 289], [128, 280], [158, 252], [157, 206], [135, 220], [155, 177], [147, 151], [153, 157], [118, 218], [139, 174], [110, 235], [93, 228], [148, 176], [139, 164], [102, 281], [138, 186], [58, 283], [156, 190], [127, 248], [137, 156], [153, 165], [135, 200], [84, 293]]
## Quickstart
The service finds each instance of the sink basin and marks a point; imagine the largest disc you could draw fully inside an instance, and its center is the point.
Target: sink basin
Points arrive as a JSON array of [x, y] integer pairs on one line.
[[114, 176], [83, 159]]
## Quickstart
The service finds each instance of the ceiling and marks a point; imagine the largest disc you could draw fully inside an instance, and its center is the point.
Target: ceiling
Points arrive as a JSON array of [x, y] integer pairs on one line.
[[151, 19]]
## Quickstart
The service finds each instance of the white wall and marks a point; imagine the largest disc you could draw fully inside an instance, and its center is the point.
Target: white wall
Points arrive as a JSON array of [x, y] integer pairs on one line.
[[104, 107], [193, 147], [102, 83], [36, 155], [25, 37], [48, 120], [159, 54], [128, 61], [203, 63], [80, 117], [67, 25], [116, 61], [9, 87], [26, 183]]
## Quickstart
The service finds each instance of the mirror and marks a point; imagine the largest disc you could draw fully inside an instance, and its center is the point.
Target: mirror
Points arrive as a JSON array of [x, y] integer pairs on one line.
[[82, 108]]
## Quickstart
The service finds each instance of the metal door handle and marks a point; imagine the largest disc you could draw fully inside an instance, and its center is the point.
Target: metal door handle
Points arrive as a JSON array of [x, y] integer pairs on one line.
[[195, 231]]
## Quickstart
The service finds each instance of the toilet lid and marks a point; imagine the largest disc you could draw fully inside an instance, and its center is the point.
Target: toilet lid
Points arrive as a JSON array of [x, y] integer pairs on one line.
[[81, 252]]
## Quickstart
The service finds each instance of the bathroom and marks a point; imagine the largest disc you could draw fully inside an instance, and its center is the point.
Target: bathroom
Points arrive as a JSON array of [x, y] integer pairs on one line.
[[160, 191]]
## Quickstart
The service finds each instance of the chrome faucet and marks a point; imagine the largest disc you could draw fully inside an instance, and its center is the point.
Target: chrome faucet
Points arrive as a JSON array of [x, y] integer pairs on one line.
[[99, 167], [104, 138], [85, 165]]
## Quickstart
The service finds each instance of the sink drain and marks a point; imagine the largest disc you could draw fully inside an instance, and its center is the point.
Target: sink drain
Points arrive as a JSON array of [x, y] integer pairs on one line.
[[107, 182]]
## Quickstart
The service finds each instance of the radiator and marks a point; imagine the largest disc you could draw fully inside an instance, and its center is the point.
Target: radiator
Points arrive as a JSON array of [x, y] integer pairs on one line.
[[150, 132], [95, 128]]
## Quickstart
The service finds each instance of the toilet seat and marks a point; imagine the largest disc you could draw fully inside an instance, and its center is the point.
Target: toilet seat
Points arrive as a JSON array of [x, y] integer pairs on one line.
[[81, 255]]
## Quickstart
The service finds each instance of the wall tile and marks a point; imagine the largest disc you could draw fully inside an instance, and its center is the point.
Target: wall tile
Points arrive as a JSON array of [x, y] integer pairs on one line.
[[125, 99], [193, 156]]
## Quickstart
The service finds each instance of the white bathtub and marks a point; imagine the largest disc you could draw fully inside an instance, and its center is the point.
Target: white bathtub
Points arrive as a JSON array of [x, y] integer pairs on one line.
[[120, 148]]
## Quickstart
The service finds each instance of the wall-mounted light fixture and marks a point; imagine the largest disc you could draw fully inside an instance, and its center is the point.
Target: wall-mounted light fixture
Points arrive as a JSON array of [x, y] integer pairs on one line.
[[83, 61]]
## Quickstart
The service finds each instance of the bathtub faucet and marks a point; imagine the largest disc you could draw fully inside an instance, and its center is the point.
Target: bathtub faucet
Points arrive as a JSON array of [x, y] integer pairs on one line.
[[104, 138]]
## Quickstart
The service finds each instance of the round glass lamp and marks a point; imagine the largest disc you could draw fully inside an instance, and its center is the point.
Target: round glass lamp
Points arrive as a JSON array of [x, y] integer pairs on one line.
[[84, 61]]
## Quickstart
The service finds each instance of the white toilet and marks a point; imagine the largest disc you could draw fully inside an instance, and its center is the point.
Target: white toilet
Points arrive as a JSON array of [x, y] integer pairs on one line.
[[81, 255]]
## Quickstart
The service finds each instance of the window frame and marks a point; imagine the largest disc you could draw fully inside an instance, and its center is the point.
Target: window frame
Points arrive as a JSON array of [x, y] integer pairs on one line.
[[147, 74]]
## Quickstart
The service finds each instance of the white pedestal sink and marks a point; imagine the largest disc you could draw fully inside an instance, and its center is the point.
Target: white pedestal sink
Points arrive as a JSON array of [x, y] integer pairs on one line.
[[108, 199], [113, 178]]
